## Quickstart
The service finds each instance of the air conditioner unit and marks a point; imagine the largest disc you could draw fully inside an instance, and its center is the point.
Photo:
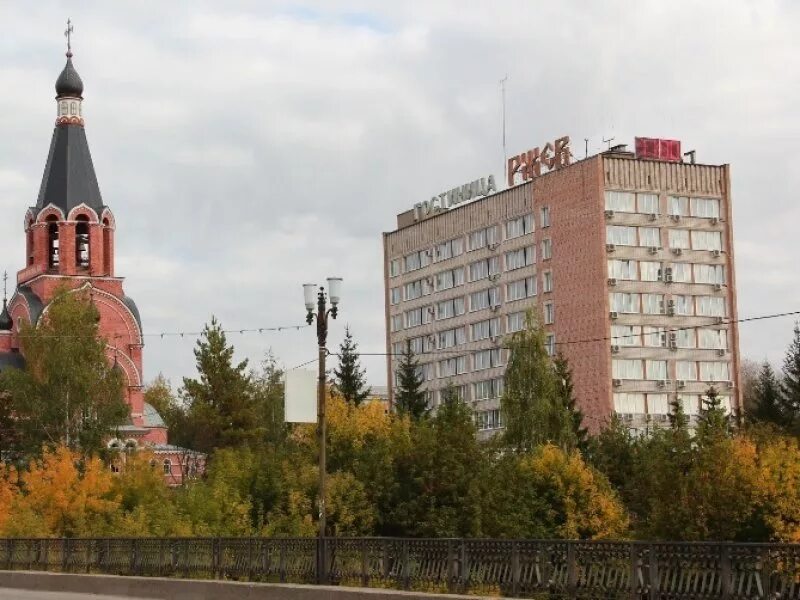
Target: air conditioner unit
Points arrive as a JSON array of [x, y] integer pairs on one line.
[[716, 253], [675, 218], [673, 345], [612, 281], [721, 351], [661, 383], [494, 276], [677, 251], [680, 383], [720, 320], [653, 249], [652, 216], [668, 276], [670, 311], [714, 220], [613, 314], [493, 246], [429, 281], [611, 247], [671, 302], [609, 214], [727, 384], [495, 308], [616, 382], [614, 349], [717, 287]]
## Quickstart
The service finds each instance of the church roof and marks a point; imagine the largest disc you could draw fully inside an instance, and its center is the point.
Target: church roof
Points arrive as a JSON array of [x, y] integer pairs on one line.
[[134, 309], [69, 178], [151, 418], [34, 302], [69, 83]]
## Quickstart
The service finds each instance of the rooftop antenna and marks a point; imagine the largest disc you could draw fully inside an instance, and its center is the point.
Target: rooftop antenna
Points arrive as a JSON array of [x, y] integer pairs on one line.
[[608, 141], [503, 96], [68, 34], [5, 287], [586, 148]]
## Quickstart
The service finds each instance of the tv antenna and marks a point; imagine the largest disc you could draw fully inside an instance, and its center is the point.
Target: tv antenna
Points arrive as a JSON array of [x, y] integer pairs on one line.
[[503, 98], [608, 141]]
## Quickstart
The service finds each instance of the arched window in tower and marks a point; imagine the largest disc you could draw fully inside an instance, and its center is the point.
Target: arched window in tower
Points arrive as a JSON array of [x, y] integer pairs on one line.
[[29, 242], [82, 242], [106, 247], [52, 242], [167, 466]]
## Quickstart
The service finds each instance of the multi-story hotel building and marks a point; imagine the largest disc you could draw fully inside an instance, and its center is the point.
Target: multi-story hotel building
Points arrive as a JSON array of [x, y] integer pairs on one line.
[[628, 262]]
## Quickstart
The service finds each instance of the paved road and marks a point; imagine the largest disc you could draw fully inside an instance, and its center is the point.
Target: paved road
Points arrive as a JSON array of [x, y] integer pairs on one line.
[[9, 594]]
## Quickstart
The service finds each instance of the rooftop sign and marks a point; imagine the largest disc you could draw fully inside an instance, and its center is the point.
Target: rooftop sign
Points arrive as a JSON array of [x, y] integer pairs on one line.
[[658, 149], [530, 164], [447, 200]]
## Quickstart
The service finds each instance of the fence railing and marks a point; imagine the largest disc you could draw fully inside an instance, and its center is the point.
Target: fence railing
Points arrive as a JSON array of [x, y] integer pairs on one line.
[[522, 568]]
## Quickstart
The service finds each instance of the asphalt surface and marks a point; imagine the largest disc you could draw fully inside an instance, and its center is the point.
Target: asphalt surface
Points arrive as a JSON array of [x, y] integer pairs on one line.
[[10, 594]]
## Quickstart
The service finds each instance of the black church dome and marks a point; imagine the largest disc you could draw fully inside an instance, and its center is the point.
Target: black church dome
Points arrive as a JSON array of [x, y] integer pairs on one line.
[[69, 83], [5, 319]]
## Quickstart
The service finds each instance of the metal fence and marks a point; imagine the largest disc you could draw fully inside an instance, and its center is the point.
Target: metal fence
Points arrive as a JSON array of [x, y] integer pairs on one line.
[[521, 568]]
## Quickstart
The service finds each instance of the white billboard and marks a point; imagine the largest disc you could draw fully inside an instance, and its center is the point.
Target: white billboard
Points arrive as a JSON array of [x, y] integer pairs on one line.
[[300, 397]]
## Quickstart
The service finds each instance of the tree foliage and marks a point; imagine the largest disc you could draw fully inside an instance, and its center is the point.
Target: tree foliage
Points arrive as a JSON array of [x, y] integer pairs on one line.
[[790, 384], [350, 380], [68, 393], [767, 403], [409, 397]]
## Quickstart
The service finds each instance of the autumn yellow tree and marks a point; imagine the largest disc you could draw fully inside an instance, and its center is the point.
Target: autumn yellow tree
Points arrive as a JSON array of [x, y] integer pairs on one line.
[[64, 494], [779, 487], [8, 491]]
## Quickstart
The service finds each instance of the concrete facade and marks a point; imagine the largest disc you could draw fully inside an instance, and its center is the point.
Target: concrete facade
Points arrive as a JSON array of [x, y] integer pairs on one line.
[[641, 300]]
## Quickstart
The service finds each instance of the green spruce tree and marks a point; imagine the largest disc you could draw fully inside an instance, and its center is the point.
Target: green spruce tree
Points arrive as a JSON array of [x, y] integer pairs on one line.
[[712, 422], [790, 385], [221, 408], [350, 380], [532, 404], [768, 405], [566, 395], [409, 397]]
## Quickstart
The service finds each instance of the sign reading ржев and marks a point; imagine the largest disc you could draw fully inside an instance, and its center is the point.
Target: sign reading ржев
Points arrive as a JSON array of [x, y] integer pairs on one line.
[[529, 164]]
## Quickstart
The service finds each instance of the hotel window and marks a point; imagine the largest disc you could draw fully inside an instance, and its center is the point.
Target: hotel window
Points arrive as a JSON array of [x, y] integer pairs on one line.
[[652, 304], [416, 344], [626, 369], [517, 259], [620, 235], [488, 389], [486, 359], [629, 404], [686, 370], [549, 313], [707, 240], [647, 204], [427, 371], [484, 299], [483, 237], [518, 290], [484, 268], [449, 279], [624, 303], [412, 290], [714, 371], [650, 271], [515, 322], [658, 404], [705, 207], [682, 272], [488, 419], [453, 366], [398, 348], [544, 216], [713, 339], [485, 329], [430, 343], [622, 269], [656, 369], [394, 267], [650, 237], [395, 295], [519, 226], [449, 249], [685, 338], [459, 393], [654, 337], [690, 404], [678, 205], [547, 281], [547, 249], [709, 274], [679, 238], [452, 337], [626, 335], [447, 309], [684, 305], [413, 317], [417, 260], [710, 306], [397, 322], [621, 201], [550, 344]]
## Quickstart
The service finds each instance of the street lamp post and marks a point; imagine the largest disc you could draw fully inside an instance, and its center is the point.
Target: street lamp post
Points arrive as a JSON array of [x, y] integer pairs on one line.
[[322, 315]]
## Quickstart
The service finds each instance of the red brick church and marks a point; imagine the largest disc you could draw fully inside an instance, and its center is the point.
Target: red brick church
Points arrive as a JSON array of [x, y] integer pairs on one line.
[[70, 241]]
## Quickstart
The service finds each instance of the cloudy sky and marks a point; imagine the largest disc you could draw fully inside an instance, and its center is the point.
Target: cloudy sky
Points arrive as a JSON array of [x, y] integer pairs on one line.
[[248, 147]]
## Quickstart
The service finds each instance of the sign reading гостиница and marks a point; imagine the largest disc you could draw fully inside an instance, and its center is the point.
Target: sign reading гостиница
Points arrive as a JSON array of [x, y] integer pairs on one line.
[[447, 200]]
